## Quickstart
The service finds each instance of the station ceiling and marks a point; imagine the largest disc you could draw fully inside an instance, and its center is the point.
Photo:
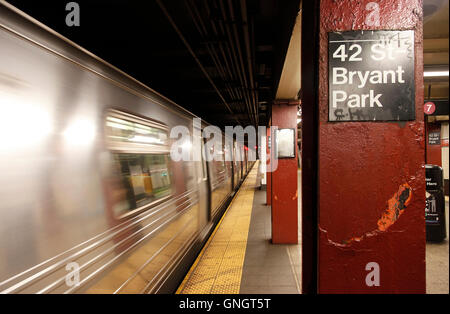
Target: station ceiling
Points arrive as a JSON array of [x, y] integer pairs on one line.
[[436, 43], [220, 59]]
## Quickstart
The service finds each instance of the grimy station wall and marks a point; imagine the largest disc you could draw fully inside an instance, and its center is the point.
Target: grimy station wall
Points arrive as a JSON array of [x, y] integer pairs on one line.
[[371, 148]]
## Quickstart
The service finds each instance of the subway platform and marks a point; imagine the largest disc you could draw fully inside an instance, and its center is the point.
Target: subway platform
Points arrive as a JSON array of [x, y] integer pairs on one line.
[[239, 257]]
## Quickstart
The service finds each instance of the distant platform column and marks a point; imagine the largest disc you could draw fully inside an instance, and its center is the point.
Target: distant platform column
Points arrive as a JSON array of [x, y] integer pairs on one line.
[[284, 174], [263, 160], [268, 168]]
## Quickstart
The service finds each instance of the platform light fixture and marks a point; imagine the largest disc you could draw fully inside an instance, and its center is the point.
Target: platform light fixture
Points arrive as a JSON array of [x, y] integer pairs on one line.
[[435, 73]]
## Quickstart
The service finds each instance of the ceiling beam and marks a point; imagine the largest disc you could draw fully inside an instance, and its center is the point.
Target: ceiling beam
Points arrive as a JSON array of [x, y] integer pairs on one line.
[[183, 39]]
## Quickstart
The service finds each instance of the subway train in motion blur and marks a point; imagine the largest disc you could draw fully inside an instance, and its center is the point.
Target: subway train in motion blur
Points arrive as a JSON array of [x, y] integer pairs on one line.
[[90, 199]]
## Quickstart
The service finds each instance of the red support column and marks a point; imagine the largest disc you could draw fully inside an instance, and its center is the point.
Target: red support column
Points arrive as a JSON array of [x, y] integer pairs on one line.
[[268, 170], [284, 181], [364, 167]]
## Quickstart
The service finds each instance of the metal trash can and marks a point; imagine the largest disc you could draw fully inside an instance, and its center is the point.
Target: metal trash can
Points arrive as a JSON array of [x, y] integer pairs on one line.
[[435, 204]]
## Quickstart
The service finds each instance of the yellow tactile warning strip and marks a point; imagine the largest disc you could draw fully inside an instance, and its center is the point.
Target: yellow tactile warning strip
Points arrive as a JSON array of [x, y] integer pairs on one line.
[[218, 268]]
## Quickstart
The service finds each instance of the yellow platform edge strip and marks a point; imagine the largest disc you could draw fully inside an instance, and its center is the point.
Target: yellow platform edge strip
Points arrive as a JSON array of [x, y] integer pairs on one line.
[[206, 246]]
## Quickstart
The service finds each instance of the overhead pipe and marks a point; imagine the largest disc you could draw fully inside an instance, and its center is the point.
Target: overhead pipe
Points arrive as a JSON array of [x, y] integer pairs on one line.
[[254, 64], [241, 61], [233, 68], [202, 29], [234, 60], [229, 69], [198, 22], [249, 56], [183, 39], [208, 13], [224, 71], [239, 70], [221, 48]]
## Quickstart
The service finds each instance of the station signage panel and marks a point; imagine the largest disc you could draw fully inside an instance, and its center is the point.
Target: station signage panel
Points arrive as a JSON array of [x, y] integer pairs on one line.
[[437, 107], [429, 108], [371, 76], [434, 138]]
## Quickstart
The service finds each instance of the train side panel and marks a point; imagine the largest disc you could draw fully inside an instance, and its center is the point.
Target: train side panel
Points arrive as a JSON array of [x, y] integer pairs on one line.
[[125, 214]]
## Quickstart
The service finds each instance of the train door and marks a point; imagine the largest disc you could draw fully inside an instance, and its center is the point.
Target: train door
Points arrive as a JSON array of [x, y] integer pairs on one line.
[[203, 184], [229, 164], [246, 159], [236, 167], [241, 160]]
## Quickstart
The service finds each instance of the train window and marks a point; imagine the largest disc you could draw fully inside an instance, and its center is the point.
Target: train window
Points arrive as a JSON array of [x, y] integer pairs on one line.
[[140, 162], [189, 175], [218, 162], [219, 165], [144, 178], [127, 131]]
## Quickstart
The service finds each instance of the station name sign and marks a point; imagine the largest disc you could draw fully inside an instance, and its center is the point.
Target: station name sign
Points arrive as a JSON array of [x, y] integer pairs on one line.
[[371, 76]]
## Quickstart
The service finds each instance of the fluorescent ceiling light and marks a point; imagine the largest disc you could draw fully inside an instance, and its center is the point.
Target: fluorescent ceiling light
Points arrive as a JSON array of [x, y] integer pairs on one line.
[[435, 73]]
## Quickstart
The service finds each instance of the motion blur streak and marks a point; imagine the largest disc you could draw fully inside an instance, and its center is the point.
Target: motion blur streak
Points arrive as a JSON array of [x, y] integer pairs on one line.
[[86, 175]]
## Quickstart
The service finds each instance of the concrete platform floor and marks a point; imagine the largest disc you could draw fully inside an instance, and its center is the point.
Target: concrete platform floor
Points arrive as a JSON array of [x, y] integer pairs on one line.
[[437, 263], [239, 256], [270, 268]]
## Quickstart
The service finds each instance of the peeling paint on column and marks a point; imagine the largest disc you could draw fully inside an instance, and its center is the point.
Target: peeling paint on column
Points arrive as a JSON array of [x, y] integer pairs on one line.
[[395, 207]]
